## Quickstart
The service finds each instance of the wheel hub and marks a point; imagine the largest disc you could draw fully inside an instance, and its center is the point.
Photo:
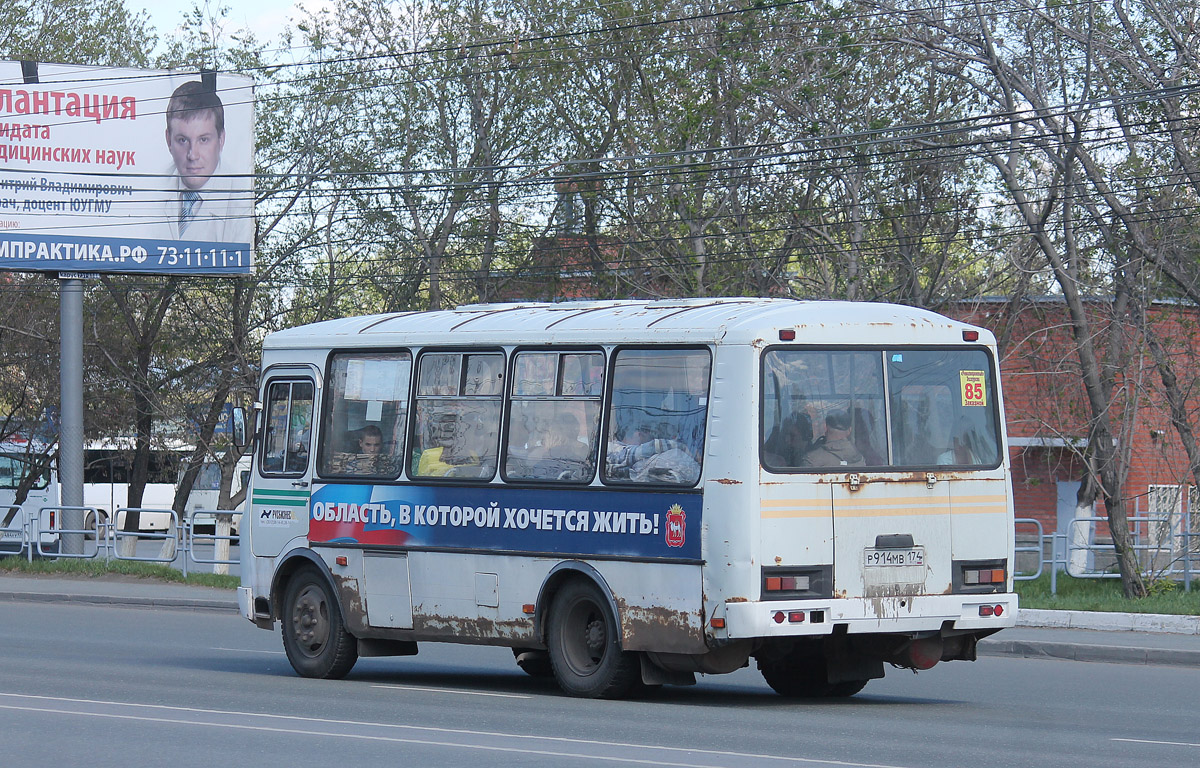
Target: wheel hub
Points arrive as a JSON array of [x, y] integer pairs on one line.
[[308, 621], [593, 637]]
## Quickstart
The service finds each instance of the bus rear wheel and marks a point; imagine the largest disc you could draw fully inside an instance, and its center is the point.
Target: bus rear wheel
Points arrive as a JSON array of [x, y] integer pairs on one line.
[[806, 678], [314, 637], [584, 650]]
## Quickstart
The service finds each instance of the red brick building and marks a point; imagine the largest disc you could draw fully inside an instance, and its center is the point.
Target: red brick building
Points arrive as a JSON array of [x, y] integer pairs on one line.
[[1046, 406]]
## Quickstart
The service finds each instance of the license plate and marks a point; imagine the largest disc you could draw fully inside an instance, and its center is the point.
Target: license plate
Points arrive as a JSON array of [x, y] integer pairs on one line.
[[885, 557]]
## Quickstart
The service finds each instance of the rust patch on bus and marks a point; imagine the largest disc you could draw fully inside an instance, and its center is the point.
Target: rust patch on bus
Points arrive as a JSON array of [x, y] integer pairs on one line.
[[480, 628], [660, 629], [353, 614], [727, 481], [736, 600]]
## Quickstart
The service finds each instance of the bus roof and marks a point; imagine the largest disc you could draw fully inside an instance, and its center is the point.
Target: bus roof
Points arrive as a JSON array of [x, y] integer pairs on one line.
[[729, 320]]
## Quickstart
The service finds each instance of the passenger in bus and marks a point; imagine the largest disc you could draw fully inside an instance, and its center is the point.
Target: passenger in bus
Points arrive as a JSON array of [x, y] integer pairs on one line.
[[455, 452], [834, 448], [789, 441], [960, 451], [439, 432], [368, 459], [646, 459], [564, 455], [864, 432]]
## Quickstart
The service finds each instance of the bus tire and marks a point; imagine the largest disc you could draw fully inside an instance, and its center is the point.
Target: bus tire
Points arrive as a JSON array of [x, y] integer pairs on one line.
[[314, 636], [806, 679], [585, 653]]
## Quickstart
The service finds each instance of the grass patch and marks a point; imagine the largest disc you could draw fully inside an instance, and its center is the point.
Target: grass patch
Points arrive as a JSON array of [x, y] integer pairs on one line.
[[1105, 595], [95, 568]]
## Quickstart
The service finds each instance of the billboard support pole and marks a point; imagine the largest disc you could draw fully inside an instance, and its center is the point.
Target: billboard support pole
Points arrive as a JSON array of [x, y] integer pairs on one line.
[[70, 440]]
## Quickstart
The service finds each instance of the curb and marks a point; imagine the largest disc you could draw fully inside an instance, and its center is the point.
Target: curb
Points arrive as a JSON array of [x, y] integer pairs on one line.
[[1122, 654], [186, 603], [1105, 621]]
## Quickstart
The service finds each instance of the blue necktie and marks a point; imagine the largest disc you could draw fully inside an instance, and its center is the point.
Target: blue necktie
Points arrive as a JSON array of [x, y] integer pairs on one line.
[[191, 199]]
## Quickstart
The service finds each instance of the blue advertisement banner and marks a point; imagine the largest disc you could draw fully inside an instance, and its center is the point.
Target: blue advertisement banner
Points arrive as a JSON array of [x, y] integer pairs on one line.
[[64, 253], [561, 521]]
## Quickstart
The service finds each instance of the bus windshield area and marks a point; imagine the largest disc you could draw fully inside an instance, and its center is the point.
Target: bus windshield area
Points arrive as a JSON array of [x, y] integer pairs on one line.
[[14, 468], [910, 408]]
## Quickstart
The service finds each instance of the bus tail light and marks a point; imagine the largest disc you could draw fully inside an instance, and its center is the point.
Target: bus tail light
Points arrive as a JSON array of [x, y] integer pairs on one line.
[[789, 583], [974, 577], [980, 575], [991, 610]]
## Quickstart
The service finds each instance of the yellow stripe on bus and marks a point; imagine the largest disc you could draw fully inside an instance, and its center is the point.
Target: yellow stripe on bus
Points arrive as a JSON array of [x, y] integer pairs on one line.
[[894, 506]]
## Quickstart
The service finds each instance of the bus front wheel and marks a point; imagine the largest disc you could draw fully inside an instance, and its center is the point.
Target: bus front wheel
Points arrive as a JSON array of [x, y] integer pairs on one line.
[[584, 650], [314, 637]]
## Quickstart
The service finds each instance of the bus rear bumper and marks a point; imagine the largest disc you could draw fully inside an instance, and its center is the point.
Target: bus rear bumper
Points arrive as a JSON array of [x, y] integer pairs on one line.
[[891, 615], [245, 598]]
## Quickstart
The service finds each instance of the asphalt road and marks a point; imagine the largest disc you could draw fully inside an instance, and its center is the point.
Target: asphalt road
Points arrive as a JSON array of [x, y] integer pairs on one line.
[[113, 686]]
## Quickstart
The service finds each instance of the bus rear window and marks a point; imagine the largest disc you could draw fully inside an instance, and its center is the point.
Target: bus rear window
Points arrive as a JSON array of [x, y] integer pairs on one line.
[[827, 409]]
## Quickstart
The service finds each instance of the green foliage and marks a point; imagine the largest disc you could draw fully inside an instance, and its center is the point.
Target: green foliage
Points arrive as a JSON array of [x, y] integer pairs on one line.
[[95, 568], [97, 32], [1105, 595]]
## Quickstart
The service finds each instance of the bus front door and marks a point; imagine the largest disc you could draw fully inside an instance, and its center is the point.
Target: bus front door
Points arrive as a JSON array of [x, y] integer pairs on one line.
[[282, 485]]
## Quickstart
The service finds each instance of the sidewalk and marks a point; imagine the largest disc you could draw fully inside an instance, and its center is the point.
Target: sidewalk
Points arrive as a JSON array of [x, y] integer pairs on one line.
[[115, 591], [1124, 638]]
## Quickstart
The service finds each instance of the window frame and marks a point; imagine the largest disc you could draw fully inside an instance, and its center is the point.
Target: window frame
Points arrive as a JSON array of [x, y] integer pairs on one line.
[[327, 411], [608, 405], [994, 407], [511, 401], [410, 465], [292, 380]]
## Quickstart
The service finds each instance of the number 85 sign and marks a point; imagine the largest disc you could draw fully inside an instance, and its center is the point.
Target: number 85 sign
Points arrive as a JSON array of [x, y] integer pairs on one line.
[[972, 388]]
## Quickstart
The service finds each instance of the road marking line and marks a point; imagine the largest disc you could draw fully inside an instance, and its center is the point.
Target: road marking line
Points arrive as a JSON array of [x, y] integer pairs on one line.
[[309, 723], [248, 650], [1164, 743], [452, 690]]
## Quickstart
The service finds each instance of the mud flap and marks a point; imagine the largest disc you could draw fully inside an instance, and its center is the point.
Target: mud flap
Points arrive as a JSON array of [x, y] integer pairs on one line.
[[652, 674]]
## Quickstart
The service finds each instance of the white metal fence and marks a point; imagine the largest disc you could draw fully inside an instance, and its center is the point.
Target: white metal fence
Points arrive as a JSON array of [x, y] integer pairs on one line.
[[42, 534], [1167, 546]]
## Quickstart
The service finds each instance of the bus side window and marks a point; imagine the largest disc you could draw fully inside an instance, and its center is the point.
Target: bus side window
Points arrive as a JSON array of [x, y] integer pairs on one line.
[[457, 434], [554, 420], [366, 414], [658, 411]]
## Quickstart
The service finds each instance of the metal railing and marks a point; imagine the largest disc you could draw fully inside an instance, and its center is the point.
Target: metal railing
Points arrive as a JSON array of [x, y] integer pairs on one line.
[[41, 534], [1077, 552]]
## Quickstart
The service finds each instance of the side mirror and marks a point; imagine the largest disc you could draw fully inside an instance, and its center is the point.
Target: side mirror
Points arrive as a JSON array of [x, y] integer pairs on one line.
[[238, 418]]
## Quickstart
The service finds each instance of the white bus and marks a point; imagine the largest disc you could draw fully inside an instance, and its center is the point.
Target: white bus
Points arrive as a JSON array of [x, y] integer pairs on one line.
[[206, 495], [627, 493], [107, 469], [18, 459]]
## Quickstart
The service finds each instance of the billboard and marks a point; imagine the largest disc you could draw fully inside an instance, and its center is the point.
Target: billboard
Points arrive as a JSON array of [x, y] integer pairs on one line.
[[125, 170]]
